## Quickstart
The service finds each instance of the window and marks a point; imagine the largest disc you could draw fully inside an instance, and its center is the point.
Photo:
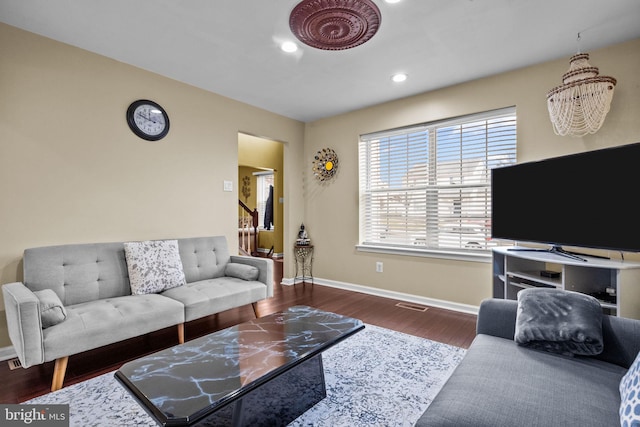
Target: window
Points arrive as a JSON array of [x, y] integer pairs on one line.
[[428, 187], [264, 199]]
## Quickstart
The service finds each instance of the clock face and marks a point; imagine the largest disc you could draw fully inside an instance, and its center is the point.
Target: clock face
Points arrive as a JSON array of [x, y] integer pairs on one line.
[[148, 120]]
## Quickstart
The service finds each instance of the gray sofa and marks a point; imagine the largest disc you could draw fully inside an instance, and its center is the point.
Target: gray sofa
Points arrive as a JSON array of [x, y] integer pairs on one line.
[[92, 284], [502, 384]]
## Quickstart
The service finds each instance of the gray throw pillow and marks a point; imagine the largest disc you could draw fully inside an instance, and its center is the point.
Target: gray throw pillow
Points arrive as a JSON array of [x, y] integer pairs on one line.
[[559, 321], [52, 311], [241, 271]]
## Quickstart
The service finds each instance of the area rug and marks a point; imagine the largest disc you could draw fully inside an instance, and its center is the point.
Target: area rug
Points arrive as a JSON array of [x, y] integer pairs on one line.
[[377, 377]]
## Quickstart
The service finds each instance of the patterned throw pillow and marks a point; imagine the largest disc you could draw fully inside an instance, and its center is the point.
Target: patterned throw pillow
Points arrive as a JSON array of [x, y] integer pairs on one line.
[[154, 266], [630, 396]]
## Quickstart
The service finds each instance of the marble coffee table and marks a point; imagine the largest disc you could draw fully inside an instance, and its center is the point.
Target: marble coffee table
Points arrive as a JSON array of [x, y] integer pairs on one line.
[[264, 372]]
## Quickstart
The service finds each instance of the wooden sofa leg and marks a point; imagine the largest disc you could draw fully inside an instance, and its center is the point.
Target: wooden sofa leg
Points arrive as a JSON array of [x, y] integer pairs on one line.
[[255, 309], [59, 371], [181, 333]]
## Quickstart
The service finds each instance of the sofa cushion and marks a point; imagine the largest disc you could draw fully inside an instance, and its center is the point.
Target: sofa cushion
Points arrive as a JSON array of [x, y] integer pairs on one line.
[[52, 311], [94, 324], [242, 271], [212, 296], [154, 266], [501, 384], [559, 321], [630, 396]]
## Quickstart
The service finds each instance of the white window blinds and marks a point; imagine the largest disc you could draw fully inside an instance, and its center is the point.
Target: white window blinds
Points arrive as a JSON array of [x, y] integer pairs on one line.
[[429, 186]]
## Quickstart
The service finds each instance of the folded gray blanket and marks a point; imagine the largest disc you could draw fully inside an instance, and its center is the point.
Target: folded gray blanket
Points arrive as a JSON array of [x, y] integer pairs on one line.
[[558, 321]]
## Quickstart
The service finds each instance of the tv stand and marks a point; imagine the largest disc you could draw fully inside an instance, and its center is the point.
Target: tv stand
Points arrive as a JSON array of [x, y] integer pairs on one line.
[[615, 283], [555, 250]]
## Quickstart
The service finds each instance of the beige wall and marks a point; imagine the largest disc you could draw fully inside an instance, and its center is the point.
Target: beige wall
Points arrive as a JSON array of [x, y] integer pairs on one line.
[[71, 171], [331, 213]]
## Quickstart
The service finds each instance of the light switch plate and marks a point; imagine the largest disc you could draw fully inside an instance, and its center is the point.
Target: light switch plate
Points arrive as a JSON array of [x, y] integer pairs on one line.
[[228, 185]]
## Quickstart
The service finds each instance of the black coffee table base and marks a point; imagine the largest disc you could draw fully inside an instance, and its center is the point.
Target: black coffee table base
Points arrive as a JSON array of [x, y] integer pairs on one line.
[[277, 402]]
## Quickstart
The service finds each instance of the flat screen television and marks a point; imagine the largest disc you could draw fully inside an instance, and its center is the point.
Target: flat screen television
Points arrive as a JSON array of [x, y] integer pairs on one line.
[[586, 200]]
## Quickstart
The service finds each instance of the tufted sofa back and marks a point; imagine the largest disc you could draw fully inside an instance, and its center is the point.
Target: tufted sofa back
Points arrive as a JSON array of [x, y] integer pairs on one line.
[[78, 273], [203, 257], [88, 272]]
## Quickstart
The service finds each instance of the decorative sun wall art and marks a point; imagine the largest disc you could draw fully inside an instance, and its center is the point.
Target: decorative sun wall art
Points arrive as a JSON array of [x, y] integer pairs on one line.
[[325, 164]]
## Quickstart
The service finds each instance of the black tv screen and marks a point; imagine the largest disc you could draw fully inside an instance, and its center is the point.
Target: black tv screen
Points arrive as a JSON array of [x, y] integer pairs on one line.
[[586, 200]]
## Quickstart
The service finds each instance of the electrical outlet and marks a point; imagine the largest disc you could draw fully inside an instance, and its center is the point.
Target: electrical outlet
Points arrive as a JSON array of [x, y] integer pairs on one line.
[[378, 267]]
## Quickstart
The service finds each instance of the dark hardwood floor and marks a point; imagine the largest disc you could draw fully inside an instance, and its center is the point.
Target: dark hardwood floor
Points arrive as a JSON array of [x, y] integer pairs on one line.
[[436, 324]]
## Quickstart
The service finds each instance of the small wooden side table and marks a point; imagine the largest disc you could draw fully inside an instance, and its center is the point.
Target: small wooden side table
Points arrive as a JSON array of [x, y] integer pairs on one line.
[[304, 262]]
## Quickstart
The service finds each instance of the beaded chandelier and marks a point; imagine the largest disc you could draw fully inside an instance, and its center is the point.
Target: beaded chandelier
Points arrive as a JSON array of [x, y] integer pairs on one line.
[[580, 104]]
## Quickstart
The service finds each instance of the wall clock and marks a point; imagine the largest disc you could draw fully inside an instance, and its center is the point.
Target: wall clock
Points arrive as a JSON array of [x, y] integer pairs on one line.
[[148, 120], [325, 164]]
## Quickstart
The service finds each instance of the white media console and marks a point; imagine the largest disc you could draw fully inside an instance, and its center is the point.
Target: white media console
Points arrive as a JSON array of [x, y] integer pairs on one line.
[[615, 283]]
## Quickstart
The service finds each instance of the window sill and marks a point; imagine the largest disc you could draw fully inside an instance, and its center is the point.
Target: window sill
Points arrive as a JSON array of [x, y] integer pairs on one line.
[[443, 254]]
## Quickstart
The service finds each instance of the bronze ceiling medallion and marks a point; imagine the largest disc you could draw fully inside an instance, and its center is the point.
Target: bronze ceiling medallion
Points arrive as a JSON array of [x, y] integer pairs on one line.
[[334, 24]]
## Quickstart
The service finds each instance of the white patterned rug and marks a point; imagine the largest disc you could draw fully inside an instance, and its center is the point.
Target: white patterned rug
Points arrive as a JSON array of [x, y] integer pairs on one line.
[[377, 377]]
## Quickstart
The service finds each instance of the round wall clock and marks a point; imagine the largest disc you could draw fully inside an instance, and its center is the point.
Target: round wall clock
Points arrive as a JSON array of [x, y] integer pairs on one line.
[[148, 120], [325, 164]]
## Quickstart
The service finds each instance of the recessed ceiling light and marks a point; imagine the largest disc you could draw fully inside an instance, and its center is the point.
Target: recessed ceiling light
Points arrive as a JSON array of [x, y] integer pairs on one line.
[[289, 47], [399, 77]]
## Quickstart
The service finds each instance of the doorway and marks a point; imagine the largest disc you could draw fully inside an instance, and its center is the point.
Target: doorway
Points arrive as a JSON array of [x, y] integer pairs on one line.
[[260, 188]]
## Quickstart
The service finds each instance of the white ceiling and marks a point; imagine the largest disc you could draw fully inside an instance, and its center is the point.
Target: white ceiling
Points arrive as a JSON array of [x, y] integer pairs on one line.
[[231, 47]]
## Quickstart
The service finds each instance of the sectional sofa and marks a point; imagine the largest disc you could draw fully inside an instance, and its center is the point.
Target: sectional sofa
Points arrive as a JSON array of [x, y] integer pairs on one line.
[[79, 297], [500, 383]]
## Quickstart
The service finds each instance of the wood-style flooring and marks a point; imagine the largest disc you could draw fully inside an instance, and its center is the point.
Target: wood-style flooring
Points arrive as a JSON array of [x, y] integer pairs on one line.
[[436, 324]]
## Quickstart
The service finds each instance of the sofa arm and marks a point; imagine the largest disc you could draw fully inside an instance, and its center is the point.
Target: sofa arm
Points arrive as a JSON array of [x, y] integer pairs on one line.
[[621, 338], [497, 317], [265, 265], [23, 322]]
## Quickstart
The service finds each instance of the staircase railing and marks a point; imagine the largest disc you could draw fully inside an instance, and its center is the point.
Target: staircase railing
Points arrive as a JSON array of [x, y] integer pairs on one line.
[[247, 237]]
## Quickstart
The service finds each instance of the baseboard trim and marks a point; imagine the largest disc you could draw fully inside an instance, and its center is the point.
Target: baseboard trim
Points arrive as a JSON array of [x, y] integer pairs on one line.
[[416, 299], [7, 353]]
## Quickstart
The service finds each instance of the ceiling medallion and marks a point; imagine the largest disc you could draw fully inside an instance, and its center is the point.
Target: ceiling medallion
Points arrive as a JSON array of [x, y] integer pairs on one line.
[[334, 24]]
